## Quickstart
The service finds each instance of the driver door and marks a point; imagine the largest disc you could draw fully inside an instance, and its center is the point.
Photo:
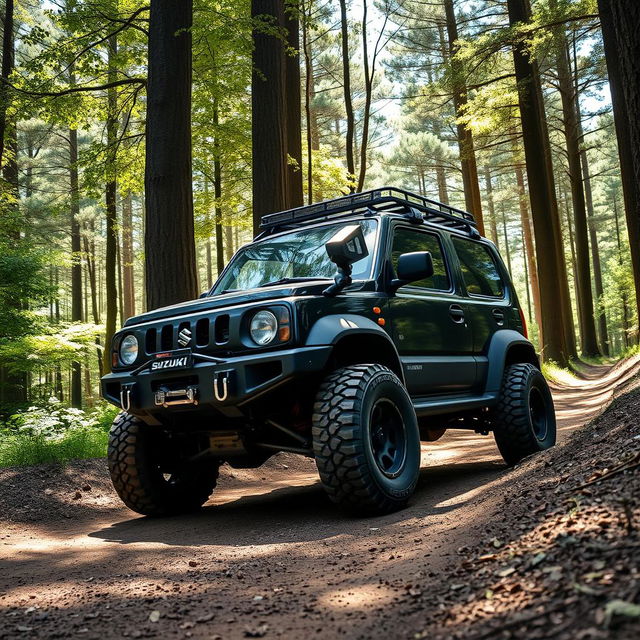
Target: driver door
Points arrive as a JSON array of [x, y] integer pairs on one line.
[[428, 321]]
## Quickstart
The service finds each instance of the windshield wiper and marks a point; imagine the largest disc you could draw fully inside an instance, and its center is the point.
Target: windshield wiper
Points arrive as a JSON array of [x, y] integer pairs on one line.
[[288, 280]]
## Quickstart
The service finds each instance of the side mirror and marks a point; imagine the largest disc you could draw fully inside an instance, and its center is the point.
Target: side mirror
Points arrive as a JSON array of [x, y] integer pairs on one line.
[[204, 294], [345, 248], [413, 267]]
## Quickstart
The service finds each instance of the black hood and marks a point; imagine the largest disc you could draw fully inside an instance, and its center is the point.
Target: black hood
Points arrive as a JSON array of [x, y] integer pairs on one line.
[[231, 299]]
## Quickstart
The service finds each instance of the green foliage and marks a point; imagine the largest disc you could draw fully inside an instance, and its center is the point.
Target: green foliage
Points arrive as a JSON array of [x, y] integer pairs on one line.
[[54, 345], [53, 432]]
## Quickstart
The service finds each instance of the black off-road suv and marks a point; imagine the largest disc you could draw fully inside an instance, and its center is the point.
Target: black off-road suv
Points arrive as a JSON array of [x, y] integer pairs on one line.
[[347, 331]]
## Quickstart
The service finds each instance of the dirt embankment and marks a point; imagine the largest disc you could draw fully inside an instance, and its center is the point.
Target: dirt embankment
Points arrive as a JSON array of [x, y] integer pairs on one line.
[[548, 550]]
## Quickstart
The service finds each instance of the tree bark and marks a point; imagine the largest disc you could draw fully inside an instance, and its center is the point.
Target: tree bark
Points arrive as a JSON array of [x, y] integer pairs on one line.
[[269, 115], [369, 71], [530, 253], [170, 253], [111, 244], [295, 197], [76, 261], [473, 202], [7, 69], [441, 177], [621, 35], [493, 228], [313, 142], [129, 299], [588, 338], [346, 85], [556, 320]]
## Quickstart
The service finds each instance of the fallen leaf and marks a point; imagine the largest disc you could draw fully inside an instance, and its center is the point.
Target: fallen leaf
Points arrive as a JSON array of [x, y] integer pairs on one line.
[[154, 616], [620, 608]]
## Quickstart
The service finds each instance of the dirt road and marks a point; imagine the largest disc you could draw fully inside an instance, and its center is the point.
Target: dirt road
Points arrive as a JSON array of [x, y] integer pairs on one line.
[[268, 556]]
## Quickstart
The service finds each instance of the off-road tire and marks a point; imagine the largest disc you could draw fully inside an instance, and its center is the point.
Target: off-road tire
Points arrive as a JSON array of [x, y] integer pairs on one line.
[[344, 446], [138, 479], [524, 418]]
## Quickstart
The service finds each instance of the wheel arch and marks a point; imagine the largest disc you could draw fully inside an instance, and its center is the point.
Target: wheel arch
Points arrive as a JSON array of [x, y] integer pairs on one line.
[[507, 347], [354, 340]]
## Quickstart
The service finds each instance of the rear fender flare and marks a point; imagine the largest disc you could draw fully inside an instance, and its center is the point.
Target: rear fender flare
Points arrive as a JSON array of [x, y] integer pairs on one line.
[[507, 346]]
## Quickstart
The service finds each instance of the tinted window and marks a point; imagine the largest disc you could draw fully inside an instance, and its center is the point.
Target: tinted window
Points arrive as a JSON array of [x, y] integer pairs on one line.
[[407, 241], [479, 269]]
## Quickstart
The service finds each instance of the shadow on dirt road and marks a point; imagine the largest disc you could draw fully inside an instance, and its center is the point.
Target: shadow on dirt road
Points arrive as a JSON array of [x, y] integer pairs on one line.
[[268, 549]]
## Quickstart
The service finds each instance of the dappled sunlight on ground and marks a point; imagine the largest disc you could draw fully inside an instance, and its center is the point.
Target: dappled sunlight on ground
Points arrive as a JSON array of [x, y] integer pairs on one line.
[[268, 547]]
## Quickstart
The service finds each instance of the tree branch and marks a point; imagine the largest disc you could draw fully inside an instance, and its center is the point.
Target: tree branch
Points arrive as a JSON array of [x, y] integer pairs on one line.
[[64, 92]]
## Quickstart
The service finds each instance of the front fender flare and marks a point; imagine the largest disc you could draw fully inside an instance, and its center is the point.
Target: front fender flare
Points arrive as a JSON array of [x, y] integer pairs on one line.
[[331, 329]]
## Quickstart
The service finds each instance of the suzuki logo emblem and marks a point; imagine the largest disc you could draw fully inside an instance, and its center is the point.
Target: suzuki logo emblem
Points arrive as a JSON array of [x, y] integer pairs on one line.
[[184, 337]]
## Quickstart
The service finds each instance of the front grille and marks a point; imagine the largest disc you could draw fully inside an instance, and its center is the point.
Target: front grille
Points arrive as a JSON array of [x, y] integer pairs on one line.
[[205, 333]]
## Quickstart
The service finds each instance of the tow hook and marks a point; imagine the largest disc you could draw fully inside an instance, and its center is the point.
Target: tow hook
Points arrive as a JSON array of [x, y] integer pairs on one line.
[[218, 378], [125, 396]]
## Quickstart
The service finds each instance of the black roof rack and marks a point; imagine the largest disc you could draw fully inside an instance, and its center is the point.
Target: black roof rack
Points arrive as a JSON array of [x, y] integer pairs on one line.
[[383, 200]]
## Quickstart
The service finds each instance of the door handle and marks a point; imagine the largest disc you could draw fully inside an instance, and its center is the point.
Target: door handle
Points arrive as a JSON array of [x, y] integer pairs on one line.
[[498, 315], [457, 313]]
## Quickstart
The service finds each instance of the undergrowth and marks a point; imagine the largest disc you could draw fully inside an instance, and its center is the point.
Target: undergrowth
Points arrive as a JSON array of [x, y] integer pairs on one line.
[[54, 433]]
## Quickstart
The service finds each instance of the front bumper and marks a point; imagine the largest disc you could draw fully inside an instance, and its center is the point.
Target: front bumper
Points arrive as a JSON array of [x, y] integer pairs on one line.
[[226, 385]]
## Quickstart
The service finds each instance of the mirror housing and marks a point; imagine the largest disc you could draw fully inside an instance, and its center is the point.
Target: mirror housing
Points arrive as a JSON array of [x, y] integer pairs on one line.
[[345, 248], [204, 294], [412, 267]]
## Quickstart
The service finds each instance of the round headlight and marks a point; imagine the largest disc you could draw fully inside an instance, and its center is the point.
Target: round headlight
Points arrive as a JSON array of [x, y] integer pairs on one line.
[[128, 349], [264, 327]]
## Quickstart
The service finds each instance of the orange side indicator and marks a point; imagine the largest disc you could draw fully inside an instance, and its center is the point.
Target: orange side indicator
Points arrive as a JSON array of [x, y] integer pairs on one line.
[[381, 322], [377, 310]]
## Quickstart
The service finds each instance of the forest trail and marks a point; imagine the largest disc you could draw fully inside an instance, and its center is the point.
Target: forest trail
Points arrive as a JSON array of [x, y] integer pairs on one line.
[[268, 556]]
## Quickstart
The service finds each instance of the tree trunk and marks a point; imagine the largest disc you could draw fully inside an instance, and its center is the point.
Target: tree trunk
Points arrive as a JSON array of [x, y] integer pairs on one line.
[[530, 253], [127, 258], [295, 196], [621, 36], [506, 240], [368, 96], [313, 139], [527, 281], [13, 386], [269, 115], [228, 242], [493, 228], [556, 321], [7, 69], [623, 293], [170, 253], [346, 84], [217, 191], [76, 261], [472, 198], [441, 177], [588, 339], [111, 248]]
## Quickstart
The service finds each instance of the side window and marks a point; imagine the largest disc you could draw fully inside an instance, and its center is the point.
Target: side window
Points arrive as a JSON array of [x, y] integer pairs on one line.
[[479, 269], [409, 240]]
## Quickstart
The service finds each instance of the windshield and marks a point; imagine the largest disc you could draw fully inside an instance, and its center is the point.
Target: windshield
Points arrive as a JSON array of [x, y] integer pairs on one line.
[[292, 256]]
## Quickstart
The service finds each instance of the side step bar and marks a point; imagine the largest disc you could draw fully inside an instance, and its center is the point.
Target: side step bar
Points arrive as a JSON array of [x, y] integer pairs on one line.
[[451, 404]]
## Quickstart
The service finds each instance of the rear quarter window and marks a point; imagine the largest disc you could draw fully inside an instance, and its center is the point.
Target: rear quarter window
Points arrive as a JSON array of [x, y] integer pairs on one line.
[[479, 268]]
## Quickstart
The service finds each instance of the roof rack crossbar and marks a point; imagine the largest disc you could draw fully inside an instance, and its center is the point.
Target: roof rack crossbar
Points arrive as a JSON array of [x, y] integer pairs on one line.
[[376, 199]]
